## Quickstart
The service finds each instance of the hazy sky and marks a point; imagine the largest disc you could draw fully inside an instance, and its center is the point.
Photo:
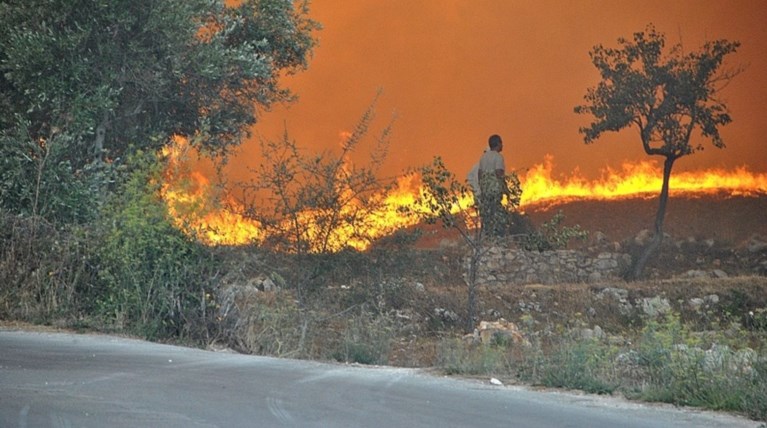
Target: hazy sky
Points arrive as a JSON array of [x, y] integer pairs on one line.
[[457, 71]]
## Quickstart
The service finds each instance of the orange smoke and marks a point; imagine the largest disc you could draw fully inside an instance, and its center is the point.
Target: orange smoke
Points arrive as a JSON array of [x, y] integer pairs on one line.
[[200, 209]]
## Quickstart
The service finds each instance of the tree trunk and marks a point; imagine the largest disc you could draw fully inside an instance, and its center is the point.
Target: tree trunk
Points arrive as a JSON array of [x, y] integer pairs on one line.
[[654, 245], [471, 282]]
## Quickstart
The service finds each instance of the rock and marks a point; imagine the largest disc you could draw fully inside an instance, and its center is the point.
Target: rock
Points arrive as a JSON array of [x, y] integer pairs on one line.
[[618, 294], [696, 303], [263, 283], [642, 237], [696, 273], [718, 273], [654, 306], [420, 287], [756, 244], [471, 338], [269, 285], [595, 333], [446, 314], [711, 299]]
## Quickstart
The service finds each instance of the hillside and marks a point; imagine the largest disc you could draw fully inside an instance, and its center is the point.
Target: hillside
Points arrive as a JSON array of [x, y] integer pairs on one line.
[[729, 220]]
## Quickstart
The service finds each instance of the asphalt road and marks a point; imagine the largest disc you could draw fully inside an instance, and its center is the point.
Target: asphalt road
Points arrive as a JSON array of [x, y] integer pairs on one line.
[[68, 380]]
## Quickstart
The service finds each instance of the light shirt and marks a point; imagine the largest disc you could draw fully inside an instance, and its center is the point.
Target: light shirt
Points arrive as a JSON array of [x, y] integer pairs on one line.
[[491, 161]]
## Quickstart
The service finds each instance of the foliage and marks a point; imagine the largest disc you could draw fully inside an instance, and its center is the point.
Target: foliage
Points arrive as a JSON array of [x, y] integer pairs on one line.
[[551, 235], [454, 357], [583, 364], [112, 75], [38, 181], [665, 96], [42, 270], [153, 280], [366, 339]]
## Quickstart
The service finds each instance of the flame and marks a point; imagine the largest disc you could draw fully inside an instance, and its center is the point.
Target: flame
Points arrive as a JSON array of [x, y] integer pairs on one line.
[[641, 179], [197, 208], [192, 199]]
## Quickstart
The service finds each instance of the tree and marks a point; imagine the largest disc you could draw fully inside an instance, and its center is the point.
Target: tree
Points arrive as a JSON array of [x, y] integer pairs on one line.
[[452, 203], [665, 97], [107, 77]]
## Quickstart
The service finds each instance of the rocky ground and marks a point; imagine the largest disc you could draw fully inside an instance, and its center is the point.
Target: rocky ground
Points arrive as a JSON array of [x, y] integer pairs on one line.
[[712, 267]]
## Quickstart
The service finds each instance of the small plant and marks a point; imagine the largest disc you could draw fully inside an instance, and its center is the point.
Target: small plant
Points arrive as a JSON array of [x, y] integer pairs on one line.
[[366, 339], [584, 364], [456, 357], [552, 235]]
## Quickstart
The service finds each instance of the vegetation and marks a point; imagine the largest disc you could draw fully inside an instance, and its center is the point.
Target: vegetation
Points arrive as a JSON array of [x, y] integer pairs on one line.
[[452, 203], [666, 361], [665, 96], [86, 241], [83, 83]]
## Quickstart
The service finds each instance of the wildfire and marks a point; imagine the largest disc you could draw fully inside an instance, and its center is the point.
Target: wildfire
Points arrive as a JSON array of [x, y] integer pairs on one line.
[[635, 179], [196, 206]]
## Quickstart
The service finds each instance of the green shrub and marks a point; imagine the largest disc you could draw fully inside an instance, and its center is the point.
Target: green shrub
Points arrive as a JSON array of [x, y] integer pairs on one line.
[[42, 270], [585, 364], [457, 357], [552, 235], [38, 180], [153, 279], [366, 339]]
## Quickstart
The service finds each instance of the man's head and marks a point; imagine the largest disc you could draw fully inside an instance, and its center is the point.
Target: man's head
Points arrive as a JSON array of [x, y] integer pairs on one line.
[[495, 142]]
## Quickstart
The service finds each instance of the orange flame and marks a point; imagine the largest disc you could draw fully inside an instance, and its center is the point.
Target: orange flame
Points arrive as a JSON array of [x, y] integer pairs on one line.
[[635, 179], [196, 206], [191, 199]]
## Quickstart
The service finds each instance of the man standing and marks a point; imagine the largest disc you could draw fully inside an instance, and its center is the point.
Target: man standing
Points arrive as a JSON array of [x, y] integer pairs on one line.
[[492, 183]]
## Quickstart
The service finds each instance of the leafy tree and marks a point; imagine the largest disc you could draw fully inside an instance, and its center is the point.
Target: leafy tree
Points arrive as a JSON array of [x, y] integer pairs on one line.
[[665, 96], [115, 75]]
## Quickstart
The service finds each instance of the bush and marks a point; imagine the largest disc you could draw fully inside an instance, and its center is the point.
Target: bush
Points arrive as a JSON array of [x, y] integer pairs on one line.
[[456, 357], [154, 280], [552, 235], [366, 339], [37, 180], [42, 270], [585, 364]]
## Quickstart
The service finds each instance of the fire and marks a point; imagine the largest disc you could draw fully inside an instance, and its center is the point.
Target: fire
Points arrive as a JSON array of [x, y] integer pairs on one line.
[[197, 207], [643, 179]]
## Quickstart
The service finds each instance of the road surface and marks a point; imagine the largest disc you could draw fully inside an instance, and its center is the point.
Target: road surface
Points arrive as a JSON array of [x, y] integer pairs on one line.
[[70, 380]]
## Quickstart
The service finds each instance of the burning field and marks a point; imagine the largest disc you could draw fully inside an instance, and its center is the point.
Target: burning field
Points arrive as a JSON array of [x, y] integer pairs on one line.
[[726, 205]]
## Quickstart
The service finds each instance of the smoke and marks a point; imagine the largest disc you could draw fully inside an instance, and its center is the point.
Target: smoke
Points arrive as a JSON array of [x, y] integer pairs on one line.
[[457, 71]]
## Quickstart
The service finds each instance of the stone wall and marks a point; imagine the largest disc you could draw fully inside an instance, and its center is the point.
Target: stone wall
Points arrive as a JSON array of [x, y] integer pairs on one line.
[[501, 266]]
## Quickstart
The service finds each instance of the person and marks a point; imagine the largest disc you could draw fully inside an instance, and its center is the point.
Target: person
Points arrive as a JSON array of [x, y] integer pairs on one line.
[[492, 185]]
